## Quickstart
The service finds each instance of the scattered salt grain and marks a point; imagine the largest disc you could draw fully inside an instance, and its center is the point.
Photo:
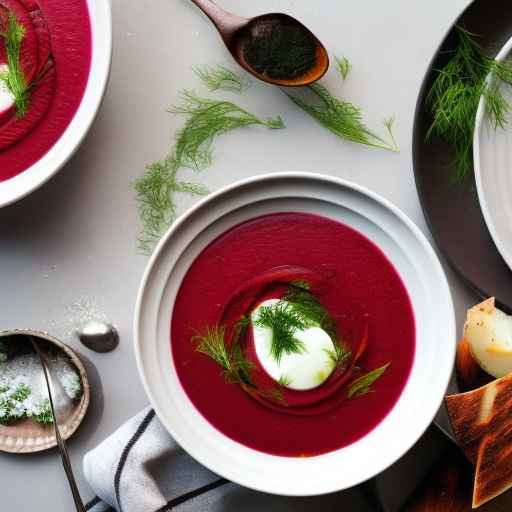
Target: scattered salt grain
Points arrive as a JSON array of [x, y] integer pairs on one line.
[[78, 314]]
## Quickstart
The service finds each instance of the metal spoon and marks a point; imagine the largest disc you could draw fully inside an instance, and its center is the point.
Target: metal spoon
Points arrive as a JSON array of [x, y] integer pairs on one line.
[[54, 389], [98, 336], [236, 32]]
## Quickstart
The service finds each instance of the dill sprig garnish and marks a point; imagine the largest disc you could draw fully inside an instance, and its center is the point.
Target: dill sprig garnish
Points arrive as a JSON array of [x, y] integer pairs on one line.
[[299, 283], [13, 78], [156, 189], [212, 343], [362, 385], [283, 319], [284, 381], [308, 306], [455, 94], [297, 310], [221, 78], [240, 328], [235, 366], [339, 355], [341, 117], [343, 66]]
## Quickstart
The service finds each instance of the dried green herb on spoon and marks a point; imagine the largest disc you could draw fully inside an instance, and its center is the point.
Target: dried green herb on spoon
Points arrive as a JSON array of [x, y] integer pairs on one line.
[[455, 94]]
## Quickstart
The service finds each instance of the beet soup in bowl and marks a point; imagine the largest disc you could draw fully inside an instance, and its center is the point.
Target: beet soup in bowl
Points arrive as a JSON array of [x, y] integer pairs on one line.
[[54, 64], [295, 333]]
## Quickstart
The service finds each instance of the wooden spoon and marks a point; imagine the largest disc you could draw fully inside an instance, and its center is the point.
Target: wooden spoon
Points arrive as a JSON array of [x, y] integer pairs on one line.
[[236, 32]]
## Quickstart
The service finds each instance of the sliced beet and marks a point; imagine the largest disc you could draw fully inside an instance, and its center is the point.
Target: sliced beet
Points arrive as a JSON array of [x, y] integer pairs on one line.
[[16, 129], [29, 51]]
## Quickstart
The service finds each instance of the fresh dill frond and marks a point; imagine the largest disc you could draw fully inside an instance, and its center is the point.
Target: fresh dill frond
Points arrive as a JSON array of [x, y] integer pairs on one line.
[[284, 381], [363, 384], [283, 319], [308, 306], [235, 366], [155, 192], [389, 124], [343, 66], [274, 394], [298, 309], [207, 120], [455, 94], [21, 393], [240, 328], [44, 414], [156, 189], [13, 78], [221, 78], [11, 403], [212, 343], [241, 366], [342, 118], [299, 283], [339, 355]]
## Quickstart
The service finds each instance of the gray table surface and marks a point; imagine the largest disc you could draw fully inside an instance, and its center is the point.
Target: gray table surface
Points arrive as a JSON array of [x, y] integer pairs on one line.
[[75, 237]]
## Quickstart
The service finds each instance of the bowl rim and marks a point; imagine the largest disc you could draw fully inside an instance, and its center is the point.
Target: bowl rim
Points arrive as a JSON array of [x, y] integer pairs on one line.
[[442, 380], [487, 206], [29, 180]]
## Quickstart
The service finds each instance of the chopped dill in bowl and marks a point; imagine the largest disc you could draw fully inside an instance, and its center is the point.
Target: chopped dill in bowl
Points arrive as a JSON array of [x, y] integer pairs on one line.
[[23, 391]]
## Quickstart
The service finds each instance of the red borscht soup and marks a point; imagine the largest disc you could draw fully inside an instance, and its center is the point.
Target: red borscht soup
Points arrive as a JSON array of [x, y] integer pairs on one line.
[[293, 334]]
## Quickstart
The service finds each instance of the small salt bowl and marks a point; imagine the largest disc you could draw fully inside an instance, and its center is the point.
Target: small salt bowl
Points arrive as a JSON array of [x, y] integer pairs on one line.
[[27, 435]]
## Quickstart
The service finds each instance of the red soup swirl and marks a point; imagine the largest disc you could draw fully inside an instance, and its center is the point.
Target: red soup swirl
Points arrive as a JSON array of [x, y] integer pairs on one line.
[[310, 291]]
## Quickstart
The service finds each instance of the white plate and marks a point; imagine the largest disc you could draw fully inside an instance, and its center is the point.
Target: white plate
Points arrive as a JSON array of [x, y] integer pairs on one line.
[[492, 153], [29, 180], [406, 248]]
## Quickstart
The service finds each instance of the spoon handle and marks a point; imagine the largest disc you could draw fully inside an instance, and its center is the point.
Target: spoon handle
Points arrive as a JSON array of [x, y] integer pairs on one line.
[[227, 23], [66, 462]]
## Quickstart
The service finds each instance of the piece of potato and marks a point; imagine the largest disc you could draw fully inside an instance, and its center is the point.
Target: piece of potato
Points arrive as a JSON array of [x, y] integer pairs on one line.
[[469, 373], [488, 332]]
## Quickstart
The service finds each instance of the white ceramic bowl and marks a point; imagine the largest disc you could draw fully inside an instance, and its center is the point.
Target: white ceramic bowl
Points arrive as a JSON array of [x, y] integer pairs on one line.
[[29, 180], [406, 248], [492, 154]]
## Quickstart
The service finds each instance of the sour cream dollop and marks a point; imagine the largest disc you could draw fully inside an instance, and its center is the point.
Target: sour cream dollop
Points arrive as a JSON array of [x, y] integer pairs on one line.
[[300, 371]]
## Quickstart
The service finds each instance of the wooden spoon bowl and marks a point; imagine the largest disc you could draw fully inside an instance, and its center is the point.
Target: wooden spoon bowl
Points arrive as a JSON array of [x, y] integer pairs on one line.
[[237, 32]]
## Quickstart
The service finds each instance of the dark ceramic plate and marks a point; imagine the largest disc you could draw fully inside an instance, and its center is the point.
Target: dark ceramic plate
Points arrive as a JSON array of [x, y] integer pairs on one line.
[[452, 209]]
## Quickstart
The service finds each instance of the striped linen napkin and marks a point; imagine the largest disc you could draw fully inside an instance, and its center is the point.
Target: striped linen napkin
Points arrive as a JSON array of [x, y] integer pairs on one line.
[[140, 468]]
